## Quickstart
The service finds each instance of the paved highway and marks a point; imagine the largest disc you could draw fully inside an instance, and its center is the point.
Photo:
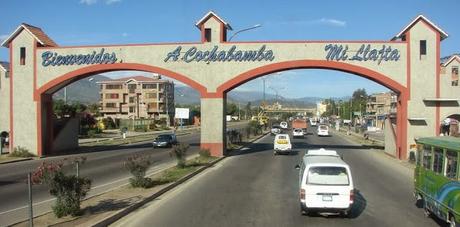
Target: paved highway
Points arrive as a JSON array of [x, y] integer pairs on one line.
[[257, 188], [104, 168]]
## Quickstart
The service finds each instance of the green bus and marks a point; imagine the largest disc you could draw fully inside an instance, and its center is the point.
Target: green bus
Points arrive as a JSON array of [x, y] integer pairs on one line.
[[436, 177]]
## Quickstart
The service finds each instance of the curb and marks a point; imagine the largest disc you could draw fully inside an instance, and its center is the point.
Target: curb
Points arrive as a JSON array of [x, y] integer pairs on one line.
[[115, 217], [16, 160]]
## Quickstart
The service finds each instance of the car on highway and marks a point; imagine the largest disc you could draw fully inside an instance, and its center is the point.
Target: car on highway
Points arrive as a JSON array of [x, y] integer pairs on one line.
[[323, 130], [282, 144], [297, 132], [165, 140], [284, 125], [325, 183], [313, 122], [276, 129]]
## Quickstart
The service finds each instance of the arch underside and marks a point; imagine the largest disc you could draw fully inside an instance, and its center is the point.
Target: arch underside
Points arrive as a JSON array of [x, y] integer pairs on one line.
[[312, 64]]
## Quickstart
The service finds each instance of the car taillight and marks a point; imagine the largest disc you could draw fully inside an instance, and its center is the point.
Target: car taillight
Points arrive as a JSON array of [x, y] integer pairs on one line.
[[352, 196], [302, 193]]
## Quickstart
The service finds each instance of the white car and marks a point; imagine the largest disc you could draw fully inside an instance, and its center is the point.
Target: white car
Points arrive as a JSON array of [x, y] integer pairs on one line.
[[284, 125], [325, 183], [282, 144], [297, 132], [312, 122], [276, 129], [323, 130]]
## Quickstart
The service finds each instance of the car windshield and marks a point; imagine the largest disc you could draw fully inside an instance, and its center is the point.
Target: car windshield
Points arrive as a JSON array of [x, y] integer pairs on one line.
[[323, 127], [282, 137], [327, 175], [276, 126], [163, 138]]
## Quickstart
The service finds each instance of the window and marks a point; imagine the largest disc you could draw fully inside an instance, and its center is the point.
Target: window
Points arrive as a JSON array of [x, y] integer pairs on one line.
[[329, 175], [207, 35], [422, 47], [451, 164], [22, 56], [132, 86], [7, 74], [151, 95], [427, 157], [113, 86], [419, 154], [454, 76], [110, 105], [438, 160], [149, 86], [152, 105], [131, 109], [111, 96], [131, 99]]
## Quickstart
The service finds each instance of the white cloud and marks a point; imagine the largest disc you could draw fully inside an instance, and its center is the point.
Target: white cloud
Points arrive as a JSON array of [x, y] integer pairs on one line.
[[124, 34], [92, 2], [322, 21], [109, 2], [88, 2], [3, 37], [332, 22]]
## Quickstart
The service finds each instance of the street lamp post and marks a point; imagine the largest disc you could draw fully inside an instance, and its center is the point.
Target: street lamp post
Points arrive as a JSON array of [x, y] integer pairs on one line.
[[243, 30]]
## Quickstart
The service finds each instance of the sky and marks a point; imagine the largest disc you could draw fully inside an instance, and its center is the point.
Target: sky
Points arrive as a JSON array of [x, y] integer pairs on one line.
[[92, 22]]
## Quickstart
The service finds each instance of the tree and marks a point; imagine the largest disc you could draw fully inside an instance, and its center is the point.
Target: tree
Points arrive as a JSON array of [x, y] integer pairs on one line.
[[247, 110], [231, 109]]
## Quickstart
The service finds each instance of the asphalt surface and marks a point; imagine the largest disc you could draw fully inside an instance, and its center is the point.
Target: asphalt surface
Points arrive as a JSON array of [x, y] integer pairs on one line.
[[104, 168], [257, 188]]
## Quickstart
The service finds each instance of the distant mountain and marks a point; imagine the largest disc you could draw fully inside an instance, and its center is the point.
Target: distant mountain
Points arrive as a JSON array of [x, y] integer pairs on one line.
[[85, 91]]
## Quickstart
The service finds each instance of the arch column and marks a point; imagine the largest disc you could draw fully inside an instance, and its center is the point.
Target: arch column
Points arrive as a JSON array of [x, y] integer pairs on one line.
[[213, 124]]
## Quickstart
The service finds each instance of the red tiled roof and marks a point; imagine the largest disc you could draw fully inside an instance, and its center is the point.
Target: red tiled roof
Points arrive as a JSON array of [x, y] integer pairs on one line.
[[36, 32], [137, 78], [41, 36]]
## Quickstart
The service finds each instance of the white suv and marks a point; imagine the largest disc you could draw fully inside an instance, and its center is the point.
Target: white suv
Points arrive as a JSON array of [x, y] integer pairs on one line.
[[282, 144], [325, 183], [297, 132]]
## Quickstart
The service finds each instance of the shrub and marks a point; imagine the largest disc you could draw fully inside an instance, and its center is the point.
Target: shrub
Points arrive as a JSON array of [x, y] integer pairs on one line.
[[137, 165], [69, 190], [205, 153], [21, 152], [179, 152]]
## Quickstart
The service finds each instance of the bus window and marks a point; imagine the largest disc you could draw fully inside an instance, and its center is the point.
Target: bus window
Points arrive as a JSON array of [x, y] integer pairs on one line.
[[427, 157], [451, 165], [438, 159]]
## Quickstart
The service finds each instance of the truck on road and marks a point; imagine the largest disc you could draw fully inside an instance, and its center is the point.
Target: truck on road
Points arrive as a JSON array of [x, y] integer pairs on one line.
[[300, 124]]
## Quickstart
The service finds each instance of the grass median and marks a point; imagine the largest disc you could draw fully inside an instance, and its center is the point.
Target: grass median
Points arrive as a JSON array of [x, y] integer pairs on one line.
[[109, 203]]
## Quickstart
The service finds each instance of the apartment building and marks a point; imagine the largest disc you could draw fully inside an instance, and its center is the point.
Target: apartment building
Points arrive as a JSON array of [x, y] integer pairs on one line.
[[379, 106], [137, 97]]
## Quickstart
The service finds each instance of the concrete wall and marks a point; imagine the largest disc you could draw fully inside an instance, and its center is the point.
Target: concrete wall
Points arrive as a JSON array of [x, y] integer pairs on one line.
[[67, 138], [4, 102], [213, 74], [24, 107], [423, 73], [390, 140]]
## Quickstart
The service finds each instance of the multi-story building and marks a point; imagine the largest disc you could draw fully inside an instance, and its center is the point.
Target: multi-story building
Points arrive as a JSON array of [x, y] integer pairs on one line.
[[379, 106], [137, 97]]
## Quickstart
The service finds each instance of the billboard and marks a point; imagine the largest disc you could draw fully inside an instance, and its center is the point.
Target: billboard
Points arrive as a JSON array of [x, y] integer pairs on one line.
[[182, 113]]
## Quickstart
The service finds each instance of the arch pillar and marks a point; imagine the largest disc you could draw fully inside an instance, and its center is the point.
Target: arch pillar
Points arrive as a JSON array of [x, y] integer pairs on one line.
[[213, 123]]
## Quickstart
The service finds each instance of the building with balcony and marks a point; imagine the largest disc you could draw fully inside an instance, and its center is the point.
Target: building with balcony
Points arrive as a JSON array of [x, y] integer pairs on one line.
[[137, 97], [379, 106]]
